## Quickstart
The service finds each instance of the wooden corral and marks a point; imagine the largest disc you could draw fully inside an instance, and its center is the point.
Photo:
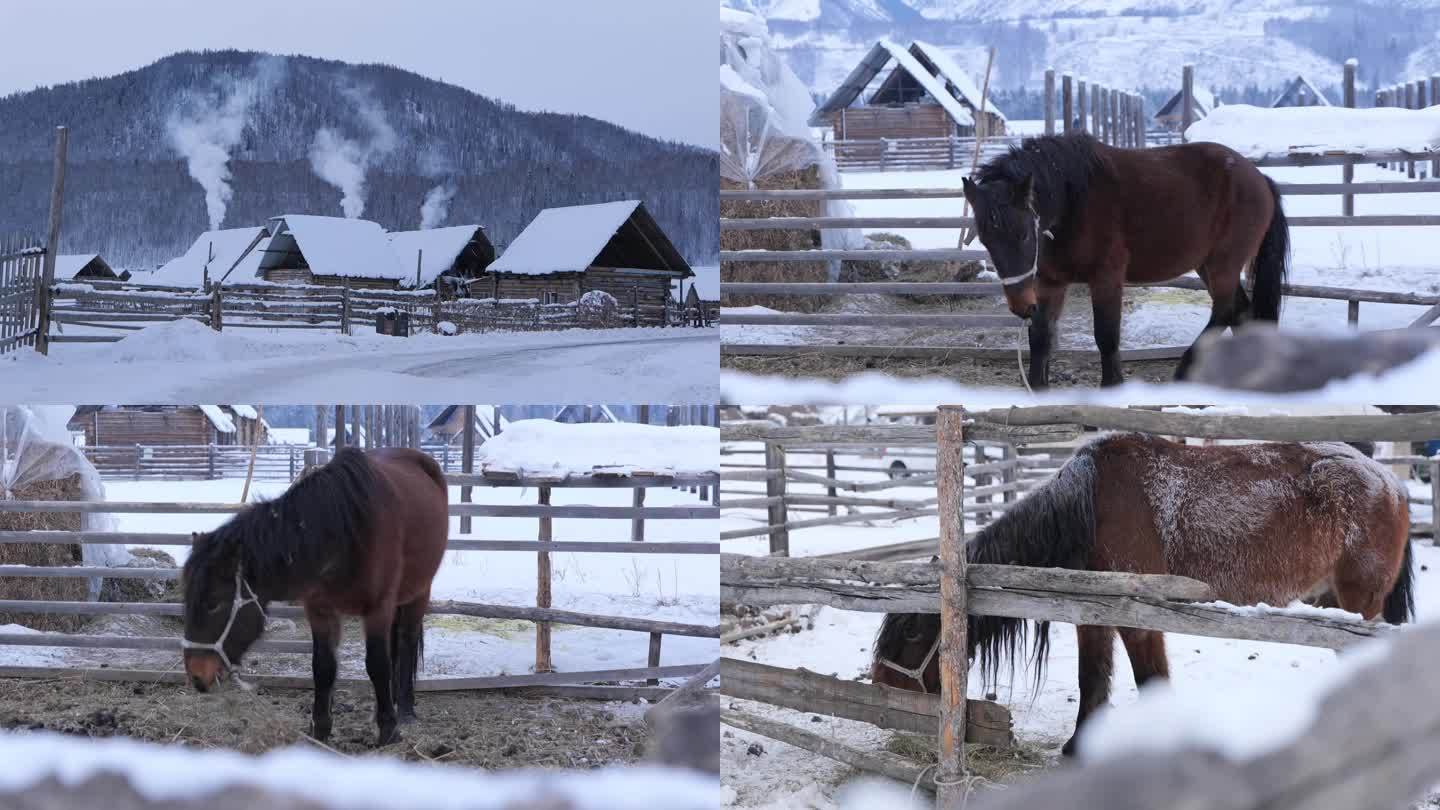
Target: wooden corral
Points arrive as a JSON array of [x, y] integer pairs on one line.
[[616, 248], [956, 590], [21, 262]]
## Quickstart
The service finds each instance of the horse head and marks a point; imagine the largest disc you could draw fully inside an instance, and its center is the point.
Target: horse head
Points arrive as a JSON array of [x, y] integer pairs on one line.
[[1010, 230], [223, 613], [906, 652]]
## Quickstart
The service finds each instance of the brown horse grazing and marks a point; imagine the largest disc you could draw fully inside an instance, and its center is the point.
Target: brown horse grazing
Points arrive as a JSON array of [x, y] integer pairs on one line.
[[1067, 209], [361, 536], [1265, 523]]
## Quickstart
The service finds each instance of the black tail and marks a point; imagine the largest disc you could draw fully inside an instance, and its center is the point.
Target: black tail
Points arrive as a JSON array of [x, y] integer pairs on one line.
[[1053, 527], [1272, 263], [1400, 604]]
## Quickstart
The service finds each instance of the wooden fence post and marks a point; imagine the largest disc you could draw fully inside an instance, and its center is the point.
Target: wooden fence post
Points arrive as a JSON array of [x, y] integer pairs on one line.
[[1352, 312], [321, 440], [345, 309], [1082, 108], [1095, 110], [217, 308], [467, 460], [1049, 101], [1435, 499], [1187, 99], [1067, 103], [1115, 118], [830, 473], [210, 461], [1435, 99], [43, 301], [1347, 172], [1011, 473], [951, 791], [138, 457], [654, 656], [1409, 92], [637, 524], [775, 488], [542, 590]]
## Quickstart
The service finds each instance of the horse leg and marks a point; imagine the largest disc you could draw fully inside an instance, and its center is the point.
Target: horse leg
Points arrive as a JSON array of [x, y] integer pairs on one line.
[[381, 672], [1106, 300], [1050, 298], [408, 639], [1146, 649], [324, 638], [1097, 663], [1228, 304]]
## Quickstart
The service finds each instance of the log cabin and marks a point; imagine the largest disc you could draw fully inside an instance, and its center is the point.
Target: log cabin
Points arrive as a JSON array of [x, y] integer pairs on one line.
[[86, 266], [926, 95], [162, 425], [1300, 93], [221, 256], [1169, 116], [615, 247], [329, 251], [443, 259]]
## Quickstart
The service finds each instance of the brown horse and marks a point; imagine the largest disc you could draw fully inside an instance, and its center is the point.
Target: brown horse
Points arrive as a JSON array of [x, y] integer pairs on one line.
[[1265, 523], [361, 536], [1067, 209]]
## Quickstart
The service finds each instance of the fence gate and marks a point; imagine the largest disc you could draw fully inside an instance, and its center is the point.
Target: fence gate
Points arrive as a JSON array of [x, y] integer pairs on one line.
[[20, 269]]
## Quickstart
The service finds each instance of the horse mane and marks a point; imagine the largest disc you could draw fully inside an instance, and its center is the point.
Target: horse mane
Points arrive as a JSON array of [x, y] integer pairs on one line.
[[318, 529], [1052, 527], [1060, 165]]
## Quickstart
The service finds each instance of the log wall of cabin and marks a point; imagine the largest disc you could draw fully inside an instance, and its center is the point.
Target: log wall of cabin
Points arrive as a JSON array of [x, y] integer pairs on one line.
[[518, 286], [906, 121], [651, 289], [187, 425], [356, 282]]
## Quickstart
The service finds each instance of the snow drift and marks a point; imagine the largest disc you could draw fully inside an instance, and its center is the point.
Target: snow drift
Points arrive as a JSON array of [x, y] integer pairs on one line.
[[1259, 131]]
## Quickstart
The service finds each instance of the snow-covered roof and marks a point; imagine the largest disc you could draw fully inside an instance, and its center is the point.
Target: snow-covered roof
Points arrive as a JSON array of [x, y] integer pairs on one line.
[[542, 448], [334, 246], [880, 55], [1298, 85], [438, 249], [67, 267], [1203, 99], [245, 411], [570, 239], [951, 71], [218, 418], [231, 246]]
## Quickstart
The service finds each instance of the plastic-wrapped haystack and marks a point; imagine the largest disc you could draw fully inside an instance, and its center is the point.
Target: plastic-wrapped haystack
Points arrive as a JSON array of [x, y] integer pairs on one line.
[[38, 462], [765, 143]]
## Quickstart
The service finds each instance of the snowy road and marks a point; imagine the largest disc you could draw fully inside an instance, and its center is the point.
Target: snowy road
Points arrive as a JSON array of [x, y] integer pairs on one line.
[[182, 363]]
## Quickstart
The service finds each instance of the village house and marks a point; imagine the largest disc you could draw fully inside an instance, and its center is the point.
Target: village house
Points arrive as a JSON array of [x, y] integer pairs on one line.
[[443, 258], [1300, 93], [221, 256], [616, 247], [926, 95], [85, 266], [330, 251], [1170, 117], [162, 425]]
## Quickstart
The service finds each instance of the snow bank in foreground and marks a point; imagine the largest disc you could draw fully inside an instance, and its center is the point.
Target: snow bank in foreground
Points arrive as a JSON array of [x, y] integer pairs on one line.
[[1410, 384], [187, 341], [545, 448], [1259, 131], [170, 772], [1278, 707]]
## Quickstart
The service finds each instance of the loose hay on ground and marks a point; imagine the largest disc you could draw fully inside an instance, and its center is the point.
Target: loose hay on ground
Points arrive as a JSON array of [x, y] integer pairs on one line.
[[53, 589], [478, 729], [1000, 766]]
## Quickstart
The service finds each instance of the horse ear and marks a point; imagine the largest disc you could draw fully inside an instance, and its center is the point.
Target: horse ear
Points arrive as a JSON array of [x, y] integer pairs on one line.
[[969, 188], [1021, 195], [195, 539]]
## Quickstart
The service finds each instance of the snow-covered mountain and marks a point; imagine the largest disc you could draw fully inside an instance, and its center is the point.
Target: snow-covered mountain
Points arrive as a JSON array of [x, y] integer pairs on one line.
[[1139, 44]]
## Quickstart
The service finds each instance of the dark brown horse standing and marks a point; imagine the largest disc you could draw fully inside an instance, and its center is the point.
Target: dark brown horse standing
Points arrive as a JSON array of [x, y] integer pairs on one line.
[[1265, 523], [361, 536], [1067, 209]]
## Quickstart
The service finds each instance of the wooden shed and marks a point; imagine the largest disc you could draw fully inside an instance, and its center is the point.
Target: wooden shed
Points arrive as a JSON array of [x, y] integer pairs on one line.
[[83, 266], [449, 425], [1201, 103], [616, 247], [443, 258], [112, 425], [331, 251], [926, 95], [1300, 93]]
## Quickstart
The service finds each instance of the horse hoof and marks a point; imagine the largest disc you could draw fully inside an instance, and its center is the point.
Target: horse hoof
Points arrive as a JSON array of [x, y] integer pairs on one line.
[[1069, 749], [320, 734]]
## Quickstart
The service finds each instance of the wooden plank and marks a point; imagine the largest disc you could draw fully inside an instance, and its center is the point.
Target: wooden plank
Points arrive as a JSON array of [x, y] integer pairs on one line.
[[930, 352], [823, 223], [876, 704], [542, 587], [835, 254], [952, 321], [550, 681], [1389, 427]]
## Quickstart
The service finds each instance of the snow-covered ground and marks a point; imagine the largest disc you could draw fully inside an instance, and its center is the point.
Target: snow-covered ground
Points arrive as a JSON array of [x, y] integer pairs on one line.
[[668, 587], [840, 644], [187, 362]]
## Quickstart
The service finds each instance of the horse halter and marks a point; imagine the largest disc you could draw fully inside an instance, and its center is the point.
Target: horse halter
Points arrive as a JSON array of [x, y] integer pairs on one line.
[[1035, 265], [240, 601], [918, 673]]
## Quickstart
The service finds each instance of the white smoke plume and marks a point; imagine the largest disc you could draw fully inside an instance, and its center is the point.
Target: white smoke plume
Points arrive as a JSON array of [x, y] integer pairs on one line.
[[205, 133], [437, 202], [343, 162]]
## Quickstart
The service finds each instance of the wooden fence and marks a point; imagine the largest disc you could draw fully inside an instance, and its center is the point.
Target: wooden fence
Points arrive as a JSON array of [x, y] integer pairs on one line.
[[956, 590], [544, 615], [20, 271]]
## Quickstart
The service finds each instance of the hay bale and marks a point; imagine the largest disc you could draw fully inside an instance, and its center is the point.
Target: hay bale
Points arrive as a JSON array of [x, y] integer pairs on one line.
[[800, 239], [903, 271], [55, 589], [144, 590]]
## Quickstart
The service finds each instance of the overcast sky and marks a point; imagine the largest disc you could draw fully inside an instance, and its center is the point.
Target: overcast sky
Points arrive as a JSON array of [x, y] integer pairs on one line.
[[648, 65]]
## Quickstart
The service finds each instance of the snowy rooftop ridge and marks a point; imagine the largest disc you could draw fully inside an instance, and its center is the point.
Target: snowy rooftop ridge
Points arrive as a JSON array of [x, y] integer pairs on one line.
[[544, 449], [231, 246], [160, 773], [336, 246], [437, 248], [564, 240]]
